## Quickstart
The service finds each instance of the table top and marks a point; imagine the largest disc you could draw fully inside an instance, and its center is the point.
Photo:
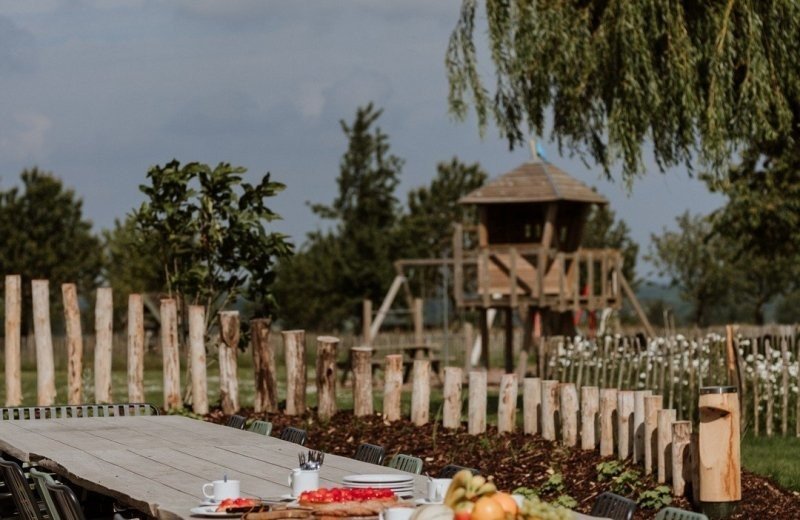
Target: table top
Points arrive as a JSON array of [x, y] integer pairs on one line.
[[158, 464]]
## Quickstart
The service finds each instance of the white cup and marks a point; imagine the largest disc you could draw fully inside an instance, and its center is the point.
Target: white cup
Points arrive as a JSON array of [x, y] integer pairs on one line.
[[397, 513], [222, 489], [303, 480], [437, 488]]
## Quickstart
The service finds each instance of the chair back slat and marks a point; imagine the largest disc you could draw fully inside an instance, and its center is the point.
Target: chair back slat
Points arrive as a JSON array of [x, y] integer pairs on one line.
[[262, 427], [673, 513], [407, 463], [371, 453], [20, 491], [40, 478], [236, 421], [613, 506], [65, 501], [295, 435]]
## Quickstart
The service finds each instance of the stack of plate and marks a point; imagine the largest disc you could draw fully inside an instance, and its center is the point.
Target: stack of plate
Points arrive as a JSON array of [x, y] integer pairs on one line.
[[402, 486]]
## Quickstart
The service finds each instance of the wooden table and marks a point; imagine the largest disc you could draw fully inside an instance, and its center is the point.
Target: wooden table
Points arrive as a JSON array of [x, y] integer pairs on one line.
[[158, 464]]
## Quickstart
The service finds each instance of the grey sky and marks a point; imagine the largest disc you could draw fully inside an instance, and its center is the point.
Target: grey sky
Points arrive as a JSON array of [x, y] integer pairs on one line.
[[98, 90]]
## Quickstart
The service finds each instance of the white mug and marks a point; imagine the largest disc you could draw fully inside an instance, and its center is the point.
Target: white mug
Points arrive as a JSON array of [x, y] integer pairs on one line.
[[397, 513], [303, 480], [437, 488], [222, 489]]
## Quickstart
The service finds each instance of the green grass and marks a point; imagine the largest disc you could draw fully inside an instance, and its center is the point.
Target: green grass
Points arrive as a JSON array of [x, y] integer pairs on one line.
[[775, 457]]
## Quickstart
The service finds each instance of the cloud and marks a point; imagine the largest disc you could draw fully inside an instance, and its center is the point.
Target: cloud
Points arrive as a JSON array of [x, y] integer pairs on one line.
[[16, 47], [26, 140]]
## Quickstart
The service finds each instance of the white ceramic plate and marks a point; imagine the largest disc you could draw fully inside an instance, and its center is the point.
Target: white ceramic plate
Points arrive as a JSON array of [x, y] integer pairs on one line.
[[377, 479], [211, 511]]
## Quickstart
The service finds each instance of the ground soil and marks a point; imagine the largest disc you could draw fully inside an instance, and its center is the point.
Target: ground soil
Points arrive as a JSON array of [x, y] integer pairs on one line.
[[512, 459]]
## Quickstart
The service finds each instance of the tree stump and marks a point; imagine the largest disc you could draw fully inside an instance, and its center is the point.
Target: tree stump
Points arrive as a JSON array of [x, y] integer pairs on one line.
[[326, 377], [228, 362], [392, 387], [451, 417], [531, 403], [171, 357], [103, 347], [72, 321], [264, 369], [507, 403], [590, 406], [13, 339], [294, 344], [136, 349], [197, 357], [45, 368], [476, 422], [362, 381], [421, 392]]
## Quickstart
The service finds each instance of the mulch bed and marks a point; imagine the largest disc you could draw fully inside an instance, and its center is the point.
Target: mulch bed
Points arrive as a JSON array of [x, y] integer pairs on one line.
[[512, 459]]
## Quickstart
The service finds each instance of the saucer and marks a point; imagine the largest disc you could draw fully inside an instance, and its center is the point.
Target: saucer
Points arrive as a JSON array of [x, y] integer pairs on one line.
[[211, 511]]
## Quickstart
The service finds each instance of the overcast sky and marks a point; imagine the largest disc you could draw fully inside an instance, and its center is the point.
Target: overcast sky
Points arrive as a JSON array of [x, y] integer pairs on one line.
[[96, 91]]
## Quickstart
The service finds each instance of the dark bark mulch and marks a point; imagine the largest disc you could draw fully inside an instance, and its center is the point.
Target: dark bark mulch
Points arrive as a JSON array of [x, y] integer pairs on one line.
[[512, 459]]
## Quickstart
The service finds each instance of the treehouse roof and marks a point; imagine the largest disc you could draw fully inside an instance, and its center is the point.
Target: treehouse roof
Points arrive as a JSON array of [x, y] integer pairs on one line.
[[533, 181]]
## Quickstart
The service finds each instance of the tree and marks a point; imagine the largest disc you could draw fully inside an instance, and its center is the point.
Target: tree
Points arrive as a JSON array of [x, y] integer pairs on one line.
[[132, 264], [602, 230], [695, 260], [701, 77], [208, 228], [46, 236], [364, 215]]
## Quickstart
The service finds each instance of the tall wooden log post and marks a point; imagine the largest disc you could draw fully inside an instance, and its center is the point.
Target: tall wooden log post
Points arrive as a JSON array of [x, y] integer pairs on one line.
[[228, 363], [326, 377], [549, 408], [507, 403], [590, 406], [103, 346], [170, 354], [197, 358], [294, 344], [362, 380], [568, 406], [608, 407], [476, 421], [265, 371], [45, 369], [135, 349], [681, 461], [531, 404], [418, 315], [665, 418], [72, 320], [392, 387], [421, 392], [13, 339], [652, 404], [625, 423], [451, 417], [638, 424]]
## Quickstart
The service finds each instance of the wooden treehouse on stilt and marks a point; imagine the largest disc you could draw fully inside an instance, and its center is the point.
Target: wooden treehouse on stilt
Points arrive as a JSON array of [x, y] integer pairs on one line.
[[525, 257]]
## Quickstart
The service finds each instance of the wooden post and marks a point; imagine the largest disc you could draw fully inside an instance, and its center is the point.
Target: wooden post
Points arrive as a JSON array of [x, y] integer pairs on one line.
[[393, 387], [477, 402], [590, 405], [170, 354], [652, 404], [13, 339], [418, 322], [421, 392], [228, 363], [784, 387], [366, 322], [665, 420], [549, 409], [451, 417], [531, 403], [197, 359], [264, 367], [568, 405], [608, 405], [104, 336], [681, 464], [72, 320], [507, 403], [326, 377], [45, 369], [625, 423], [638, 424], [770, 415], [484, 323], [294, 344], [135, 349], [509, 340], [362, 380]]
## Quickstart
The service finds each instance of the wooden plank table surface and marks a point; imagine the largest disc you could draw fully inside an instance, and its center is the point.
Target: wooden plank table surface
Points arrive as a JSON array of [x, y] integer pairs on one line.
[[158, 464]]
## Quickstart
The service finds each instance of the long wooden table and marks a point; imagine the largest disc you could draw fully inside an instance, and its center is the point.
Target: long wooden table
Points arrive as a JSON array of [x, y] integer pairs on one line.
[[158, 464]]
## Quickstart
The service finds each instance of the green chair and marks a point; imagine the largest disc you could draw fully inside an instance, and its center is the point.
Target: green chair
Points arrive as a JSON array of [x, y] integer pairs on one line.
[[40, 478], [673, 513], [407, 463], [262, 427]]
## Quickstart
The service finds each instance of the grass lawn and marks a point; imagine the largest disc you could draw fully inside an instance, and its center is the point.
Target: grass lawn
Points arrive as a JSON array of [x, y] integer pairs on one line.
[[776, 457]]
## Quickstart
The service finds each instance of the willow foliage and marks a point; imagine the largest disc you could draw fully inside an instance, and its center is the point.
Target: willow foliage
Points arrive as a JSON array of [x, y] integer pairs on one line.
[[705, 77]]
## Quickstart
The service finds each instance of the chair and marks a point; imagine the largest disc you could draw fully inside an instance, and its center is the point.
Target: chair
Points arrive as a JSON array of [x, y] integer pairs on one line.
[[65, 501], [610, 505], [40, 478], [236, 421], [21, 493], [407, 463], [370, 453], [451, 469], [63, 411], [262, 427], [295, 435], [673, 513]]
